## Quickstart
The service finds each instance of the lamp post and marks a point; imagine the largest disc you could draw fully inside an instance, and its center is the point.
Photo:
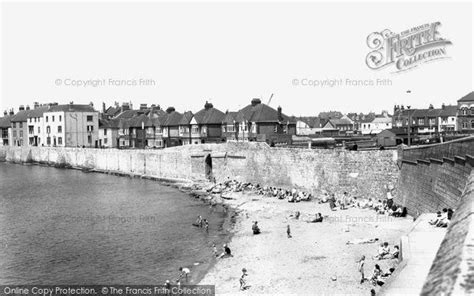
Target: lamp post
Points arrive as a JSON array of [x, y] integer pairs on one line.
[[409, 122]]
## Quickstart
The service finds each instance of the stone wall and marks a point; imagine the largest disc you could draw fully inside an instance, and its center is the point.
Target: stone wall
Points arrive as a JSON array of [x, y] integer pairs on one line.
[[452, 272], [433, 177], [313, 170]]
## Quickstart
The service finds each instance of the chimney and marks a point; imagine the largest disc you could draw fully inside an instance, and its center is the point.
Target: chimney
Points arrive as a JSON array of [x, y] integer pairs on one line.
[[255, 102], [91, 104], [170, 109], [12, 112], [125, 106], [103, 107], [280, 116], [208, 105], [27, 107], [143, 106], [36, 105], [5, 113], [443, 106], [21, 108], [431, 106]]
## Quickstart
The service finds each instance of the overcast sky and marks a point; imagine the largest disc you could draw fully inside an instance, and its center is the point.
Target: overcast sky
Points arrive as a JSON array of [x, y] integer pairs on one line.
[[227, 53]]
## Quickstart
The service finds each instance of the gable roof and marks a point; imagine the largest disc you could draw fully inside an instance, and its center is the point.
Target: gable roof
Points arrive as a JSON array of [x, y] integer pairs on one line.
[[172, 119], [209, 115], [467, 98], [5, 121], [449, 110], [20, 116], [426, 112], [186, 118], [311, 121], [258, 112]]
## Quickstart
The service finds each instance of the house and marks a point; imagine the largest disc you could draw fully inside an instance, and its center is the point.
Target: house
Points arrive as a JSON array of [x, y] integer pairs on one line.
[[170, 126], [71, 125], [466, 113], [377, 124], [206, 125], [108, 133], [325, 116], [448, 119], [230, 126], [19, 127], [260, 122], [391, 137], [308, 125], [5, 129], [36, 127], [425, 121], [185, 128], [344, 124]]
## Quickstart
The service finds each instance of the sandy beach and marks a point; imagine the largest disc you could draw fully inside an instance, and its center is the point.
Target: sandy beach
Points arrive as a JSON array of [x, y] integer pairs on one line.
[[316, 260]]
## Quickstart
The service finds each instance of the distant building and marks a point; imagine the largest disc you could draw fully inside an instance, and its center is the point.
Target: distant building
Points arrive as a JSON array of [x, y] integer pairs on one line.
[[19, 128], [171, 123], [308, 125], [36, 126], [108, 133], [376, 125], [71, 125], [230, 125], [260, 122], [466, 113], [185, 128], [447, 121], [344, 125], [5, 129], [206, 125], [391, 137]]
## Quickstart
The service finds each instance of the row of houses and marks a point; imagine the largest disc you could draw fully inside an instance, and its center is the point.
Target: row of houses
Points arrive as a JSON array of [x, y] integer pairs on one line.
[[448, 119], [73, 125]]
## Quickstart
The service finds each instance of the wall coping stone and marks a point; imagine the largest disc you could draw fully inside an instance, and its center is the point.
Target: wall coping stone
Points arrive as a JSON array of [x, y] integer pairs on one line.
[[435, 160], [459, 160], [448, 160], [409, 162], [423, 161]]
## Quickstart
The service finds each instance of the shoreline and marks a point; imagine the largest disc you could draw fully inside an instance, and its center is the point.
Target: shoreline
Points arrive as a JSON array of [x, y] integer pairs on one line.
[[276, 264], [184, 186]]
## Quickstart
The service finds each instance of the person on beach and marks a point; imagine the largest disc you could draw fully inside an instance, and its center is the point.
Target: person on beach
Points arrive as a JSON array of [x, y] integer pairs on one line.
[[360, 268], [332, 202], [198, 222], [183, 273], [227, 252], [288, 231], [242, 281], [384, 251], [255, 228], [396, 252], [377, 275], [214, 249], [362, 241], [206, 225]]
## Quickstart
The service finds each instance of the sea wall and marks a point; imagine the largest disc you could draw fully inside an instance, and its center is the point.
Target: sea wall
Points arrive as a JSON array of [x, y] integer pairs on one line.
[[433, 177], [334, 170], [452, 272]]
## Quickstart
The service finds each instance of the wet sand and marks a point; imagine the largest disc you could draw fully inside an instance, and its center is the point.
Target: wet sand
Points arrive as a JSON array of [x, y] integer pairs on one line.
[[307, 263]]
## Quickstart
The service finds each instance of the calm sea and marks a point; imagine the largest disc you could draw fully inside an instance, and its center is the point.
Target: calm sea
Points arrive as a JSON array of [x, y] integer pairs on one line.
[[62, 226]]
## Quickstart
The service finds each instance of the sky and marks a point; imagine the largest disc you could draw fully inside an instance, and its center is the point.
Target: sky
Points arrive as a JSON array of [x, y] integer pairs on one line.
[[183, 54]]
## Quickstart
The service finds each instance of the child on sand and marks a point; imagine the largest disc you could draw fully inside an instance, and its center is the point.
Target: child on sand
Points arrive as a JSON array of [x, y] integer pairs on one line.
[[243, 283], [288, 231], [255, 228]]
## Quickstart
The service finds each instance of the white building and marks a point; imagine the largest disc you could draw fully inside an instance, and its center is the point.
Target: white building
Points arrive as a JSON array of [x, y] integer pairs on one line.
[[378, 124]]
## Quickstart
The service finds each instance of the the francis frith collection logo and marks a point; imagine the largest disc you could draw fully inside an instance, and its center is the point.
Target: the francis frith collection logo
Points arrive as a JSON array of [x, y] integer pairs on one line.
[[407, 49]]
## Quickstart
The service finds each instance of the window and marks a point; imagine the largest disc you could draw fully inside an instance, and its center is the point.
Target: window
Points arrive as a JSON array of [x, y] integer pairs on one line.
[[14, 134], [89, 118], [21, 134], [285, 129], [46, 118], [60, 141], [421, 121], [105, 141], [52, 118], [60, 118], [21, 124], [223, 129], [60, 129], [35, 119], [204, 130], [195, 129], [464, 111], [31, 129], [472, 123], [48, 129], [48, 140], [105, 132], [90, 128], [39, 130], [230, 128], [89, 139], [432, 121], [275, 128], [464, 125]]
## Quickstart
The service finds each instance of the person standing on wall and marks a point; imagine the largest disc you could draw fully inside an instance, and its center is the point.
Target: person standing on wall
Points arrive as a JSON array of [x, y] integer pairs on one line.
[[389, 196]]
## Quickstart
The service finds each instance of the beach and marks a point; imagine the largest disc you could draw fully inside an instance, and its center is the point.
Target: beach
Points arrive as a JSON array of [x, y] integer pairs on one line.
[[315, 260]]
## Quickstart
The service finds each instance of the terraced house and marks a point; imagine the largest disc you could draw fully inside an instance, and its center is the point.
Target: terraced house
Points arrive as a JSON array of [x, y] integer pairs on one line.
[[466, 113]]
